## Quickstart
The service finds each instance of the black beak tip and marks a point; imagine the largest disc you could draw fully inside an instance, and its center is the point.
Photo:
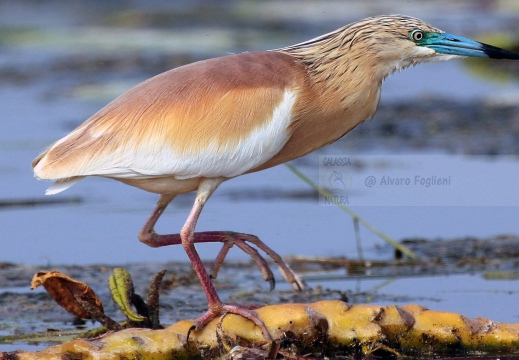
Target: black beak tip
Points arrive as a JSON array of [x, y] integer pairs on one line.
[[494, 52]]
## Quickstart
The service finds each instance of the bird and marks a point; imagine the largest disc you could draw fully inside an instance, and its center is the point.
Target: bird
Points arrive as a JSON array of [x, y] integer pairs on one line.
[[198, 125]]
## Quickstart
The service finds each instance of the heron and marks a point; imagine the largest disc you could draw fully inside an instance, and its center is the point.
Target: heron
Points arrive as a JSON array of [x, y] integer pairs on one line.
[[196, 126]]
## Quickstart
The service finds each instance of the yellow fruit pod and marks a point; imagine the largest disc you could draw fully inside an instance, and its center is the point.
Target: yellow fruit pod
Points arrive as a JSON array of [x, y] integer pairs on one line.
[[324, 328]]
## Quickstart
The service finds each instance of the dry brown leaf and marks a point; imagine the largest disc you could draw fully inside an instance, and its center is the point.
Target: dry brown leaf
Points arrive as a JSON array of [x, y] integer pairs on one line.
[[74, 296]]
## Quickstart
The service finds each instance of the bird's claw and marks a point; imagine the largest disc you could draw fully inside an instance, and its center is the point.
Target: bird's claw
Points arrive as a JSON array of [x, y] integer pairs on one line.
[[205, 319], [241, 240]]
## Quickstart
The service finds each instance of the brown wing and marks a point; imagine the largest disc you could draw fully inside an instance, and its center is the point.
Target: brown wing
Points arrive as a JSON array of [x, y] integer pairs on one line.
[[218, 117]]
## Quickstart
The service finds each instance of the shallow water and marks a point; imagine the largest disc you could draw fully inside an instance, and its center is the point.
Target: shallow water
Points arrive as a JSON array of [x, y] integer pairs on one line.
[[51, 83]]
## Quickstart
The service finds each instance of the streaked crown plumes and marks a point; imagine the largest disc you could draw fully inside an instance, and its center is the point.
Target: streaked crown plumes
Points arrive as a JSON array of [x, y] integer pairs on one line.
[[379, 44]]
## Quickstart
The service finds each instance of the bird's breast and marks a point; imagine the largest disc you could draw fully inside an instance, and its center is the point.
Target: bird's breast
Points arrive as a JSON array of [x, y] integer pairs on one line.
[[322, 115]]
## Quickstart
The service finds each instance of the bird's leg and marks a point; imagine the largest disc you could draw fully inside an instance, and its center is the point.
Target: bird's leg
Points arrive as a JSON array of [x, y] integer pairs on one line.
[[148, 236], [188, 237], [216, 307]]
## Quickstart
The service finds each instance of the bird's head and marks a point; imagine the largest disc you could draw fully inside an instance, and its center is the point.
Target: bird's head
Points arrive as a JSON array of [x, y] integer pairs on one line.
[[377, 46], [399, 41]]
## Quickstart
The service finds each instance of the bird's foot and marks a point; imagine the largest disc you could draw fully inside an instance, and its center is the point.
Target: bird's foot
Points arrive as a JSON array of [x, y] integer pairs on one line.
[[211, 314], [229, 238]]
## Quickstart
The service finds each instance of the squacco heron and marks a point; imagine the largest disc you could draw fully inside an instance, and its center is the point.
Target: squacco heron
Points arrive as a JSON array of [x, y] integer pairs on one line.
[[196, 126]]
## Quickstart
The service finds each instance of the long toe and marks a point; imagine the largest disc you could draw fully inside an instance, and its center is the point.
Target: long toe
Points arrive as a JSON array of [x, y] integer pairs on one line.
[[251, 315], [291, 277], [261, 263]]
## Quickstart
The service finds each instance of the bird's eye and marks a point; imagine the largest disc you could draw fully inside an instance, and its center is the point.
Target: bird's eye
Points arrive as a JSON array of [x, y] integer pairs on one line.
[[417, 35]]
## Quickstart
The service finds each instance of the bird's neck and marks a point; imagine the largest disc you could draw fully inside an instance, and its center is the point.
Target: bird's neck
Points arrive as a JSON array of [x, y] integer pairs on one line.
[[339, 92], [341, 72]]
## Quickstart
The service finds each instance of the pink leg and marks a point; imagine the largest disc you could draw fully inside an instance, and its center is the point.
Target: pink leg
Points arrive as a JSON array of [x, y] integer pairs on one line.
[[148, 236], [187, 239]]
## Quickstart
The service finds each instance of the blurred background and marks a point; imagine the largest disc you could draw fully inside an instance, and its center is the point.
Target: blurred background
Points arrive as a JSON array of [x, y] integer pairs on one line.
[[61, 61]]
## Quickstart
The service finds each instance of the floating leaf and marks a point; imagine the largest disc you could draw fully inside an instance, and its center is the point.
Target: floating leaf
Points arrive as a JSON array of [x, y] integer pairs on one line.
[[74, 296]]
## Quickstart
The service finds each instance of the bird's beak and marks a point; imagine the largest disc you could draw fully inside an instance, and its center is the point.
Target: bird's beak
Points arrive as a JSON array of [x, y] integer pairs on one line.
[[456, 45]]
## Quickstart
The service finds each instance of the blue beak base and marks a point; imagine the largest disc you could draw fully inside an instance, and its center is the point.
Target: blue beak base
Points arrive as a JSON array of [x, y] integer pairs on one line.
[[456, 45]]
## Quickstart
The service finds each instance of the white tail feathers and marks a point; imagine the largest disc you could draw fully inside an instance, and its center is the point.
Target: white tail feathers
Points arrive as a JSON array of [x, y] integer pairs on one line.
[[62, 185]]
